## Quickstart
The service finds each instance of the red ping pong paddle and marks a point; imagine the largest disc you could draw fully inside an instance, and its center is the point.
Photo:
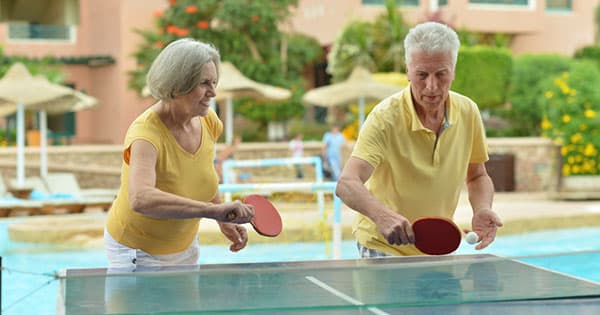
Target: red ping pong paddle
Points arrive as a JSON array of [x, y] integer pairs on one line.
[[436, 235], [266, 221]]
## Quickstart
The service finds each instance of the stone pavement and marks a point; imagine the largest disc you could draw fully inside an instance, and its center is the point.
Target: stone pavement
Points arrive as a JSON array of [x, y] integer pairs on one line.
[[519, 212], [303, 222]]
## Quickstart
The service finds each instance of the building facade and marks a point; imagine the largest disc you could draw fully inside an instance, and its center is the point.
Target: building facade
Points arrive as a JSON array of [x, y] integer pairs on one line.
[[90, 30]]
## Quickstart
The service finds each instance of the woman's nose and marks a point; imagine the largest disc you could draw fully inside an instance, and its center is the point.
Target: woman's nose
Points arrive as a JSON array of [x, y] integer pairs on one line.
[[212, 90]]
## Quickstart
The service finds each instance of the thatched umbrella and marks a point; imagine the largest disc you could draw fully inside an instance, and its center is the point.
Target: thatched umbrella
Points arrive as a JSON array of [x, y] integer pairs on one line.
[[359, 86], [19, 90], [233, 84]]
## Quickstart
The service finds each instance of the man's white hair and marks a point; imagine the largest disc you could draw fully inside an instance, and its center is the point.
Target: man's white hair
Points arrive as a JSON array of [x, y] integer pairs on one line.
[[431, 37]]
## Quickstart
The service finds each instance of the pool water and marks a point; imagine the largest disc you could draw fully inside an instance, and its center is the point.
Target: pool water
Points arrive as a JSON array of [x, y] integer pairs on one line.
[[24, 293]]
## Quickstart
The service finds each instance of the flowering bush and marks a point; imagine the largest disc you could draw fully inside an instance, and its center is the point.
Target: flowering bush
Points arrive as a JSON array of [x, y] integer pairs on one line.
[[247, 34], [571, 103]]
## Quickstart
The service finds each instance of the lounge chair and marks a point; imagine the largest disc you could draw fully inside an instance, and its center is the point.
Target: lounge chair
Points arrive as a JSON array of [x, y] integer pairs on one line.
[[66, 184], [10, 204], [50, 203]]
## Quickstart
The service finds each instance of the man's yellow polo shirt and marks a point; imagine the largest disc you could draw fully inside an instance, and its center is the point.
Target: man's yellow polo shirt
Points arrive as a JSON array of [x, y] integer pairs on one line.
[[414, 173], [190, 175]]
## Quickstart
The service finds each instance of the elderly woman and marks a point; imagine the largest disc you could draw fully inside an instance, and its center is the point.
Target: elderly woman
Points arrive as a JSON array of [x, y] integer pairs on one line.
[[168, 180]]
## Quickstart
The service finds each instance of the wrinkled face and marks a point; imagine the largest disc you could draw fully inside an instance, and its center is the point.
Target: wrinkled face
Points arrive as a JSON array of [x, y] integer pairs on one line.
[[197, 102], [430, 77]]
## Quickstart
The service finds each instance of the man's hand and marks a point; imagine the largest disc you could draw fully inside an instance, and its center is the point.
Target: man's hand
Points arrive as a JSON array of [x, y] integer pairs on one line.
[[395, 228], [485, 223]]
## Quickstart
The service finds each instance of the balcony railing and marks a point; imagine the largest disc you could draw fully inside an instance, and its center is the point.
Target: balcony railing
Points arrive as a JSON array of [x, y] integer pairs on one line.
[[25, 31]]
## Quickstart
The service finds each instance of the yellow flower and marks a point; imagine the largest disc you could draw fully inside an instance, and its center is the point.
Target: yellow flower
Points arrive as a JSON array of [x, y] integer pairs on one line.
[[546, 124], [576, 169], [564, 150], [548, 94], [589, 150], [589, 113], [576, 138], [566, 118], [582, 127]]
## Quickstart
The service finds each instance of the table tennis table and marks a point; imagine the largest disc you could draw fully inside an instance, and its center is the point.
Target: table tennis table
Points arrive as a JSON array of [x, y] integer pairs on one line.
[[452, 284]]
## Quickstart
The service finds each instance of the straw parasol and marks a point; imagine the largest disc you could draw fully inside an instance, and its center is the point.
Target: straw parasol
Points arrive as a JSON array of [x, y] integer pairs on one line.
[[359, 86], [233, 84], [19, 90]]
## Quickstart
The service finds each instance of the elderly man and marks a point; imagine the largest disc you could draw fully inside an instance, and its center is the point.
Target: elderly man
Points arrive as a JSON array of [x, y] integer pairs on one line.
[[414, 151]]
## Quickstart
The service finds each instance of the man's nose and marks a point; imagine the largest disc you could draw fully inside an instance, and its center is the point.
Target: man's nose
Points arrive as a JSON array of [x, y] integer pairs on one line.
[[431, 83]]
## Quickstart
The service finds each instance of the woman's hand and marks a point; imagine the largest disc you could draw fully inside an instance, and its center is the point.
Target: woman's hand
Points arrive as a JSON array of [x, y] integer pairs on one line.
[[237, 234], [235, 212]]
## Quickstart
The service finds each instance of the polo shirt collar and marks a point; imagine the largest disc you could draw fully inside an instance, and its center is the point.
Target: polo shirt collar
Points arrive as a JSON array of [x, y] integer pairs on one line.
[[414, 121]]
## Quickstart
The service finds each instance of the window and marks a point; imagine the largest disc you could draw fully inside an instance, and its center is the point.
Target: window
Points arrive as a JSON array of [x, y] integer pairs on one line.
[[399, 2], [33, 31], [442, 3], [559, 5], [501, 2], [61, 127]]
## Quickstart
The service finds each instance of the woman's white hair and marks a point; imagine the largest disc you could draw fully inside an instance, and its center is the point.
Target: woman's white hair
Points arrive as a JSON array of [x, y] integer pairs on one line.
[[176, 70], [431, 37]]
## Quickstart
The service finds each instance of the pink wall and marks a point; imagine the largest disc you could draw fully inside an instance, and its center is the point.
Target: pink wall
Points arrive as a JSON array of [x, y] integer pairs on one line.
[[106, 28]]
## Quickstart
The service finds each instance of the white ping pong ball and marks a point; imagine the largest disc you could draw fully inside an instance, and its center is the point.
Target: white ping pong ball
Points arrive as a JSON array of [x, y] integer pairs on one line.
[[472, 238]]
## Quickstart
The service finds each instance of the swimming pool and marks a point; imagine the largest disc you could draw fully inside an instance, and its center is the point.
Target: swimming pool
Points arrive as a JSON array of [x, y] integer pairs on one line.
[[36, 294]]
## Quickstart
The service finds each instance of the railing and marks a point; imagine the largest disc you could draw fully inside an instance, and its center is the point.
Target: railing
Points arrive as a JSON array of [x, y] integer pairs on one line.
[[306, 187], [228, 166], [228, 187]]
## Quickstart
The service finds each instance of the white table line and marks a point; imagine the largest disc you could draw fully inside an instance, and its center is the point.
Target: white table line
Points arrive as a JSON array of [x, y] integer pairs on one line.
[[343, 296]]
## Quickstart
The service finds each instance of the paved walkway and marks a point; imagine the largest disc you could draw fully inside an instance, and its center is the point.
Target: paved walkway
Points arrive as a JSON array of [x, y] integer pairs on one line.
[[304, 222], [519, 211]]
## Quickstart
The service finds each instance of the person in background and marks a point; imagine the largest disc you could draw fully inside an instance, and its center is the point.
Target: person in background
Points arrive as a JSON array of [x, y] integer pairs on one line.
[[225, 154], [168, 179], [415, 151], [333, 141], [296, 147]]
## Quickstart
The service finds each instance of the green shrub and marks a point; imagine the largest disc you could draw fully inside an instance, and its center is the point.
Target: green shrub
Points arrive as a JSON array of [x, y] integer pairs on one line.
[[483, 74], [589, 52], [525, 113], [571, 102], [309, 129]]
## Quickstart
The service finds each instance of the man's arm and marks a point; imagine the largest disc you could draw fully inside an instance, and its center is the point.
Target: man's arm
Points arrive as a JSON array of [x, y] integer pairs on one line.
[[485, 221], [351, 189]]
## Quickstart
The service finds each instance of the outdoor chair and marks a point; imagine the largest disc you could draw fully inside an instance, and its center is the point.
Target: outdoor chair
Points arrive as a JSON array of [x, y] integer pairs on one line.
[[10, 204], [50, 203], [66, 184]]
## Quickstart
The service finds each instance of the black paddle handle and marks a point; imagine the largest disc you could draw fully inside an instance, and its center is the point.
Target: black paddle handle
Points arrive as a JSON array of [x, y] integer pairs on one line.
[[231, 215]]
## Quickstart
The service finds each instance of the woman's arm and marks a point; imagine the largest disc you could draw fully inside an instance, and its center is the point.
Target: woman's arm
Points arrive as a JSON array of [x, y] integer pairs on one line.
[[145, 198]]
